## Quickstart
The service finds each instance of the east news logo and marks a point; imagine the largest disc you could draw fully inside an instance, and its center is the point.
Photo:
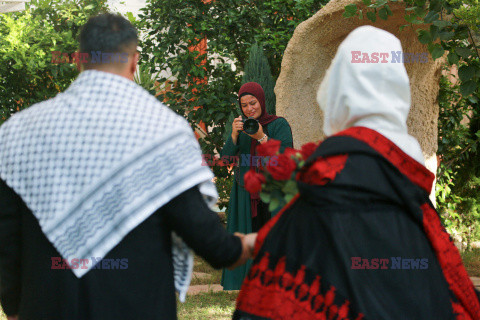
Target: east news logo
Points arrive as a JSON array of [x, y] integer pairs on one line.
[[95, 263], [392, 263]]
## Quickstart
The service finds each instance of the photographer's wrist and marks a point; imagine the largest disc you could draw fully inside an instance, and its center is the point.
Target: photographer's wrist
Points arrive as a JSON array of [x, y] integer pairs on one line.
[[234, 137], [263, 139]]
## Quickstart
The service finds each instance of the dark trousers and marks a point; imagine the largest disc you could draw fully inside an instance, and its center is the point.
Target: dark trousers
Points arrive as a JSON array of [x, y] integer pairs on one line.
[[263, 215]]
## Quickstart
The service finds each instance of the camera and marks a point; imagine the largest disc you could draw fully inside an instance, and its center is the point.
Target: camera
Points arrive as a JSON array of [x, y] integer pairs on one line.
[[250, 125]]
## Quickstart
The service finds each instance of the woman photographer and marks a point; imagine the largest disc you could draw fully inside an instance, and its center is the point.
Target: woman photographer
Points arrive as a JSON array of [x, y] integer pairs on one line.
[[247, 213]]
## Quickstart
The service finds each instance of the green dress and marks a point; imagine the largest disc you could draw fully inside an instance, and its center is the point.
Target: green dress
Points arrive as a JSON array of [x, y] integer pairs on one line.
[[239, 214]]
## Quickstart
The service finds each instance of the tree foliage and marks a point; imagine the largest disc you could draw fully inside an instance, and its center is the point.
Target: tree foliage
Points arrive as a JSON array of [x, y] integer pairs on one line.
[[458, 178], [257, 70], [212, 80], [27, 39], [444, 26]]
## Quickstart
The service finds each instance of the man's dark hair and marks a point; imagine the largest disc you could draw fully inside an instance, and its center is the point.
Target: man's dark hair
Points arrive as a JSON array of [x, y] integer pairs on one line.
[[108, 33]]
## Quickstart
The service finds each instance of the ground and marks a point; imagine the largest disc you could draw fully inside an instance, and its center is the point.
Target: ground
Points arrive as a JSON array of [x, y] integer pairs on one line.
[[204, 302]]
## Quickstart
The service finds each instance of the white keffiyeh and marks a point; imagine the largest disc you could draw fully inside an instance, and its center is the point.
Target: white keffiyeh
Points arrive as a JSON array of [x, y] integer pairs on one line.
[[97, 160]]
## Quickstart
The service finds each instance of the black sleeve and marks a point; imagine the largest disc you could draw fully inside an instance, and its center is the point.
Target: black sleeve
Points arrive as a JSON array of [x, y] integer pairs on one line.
[[189, 216], [10, 246]]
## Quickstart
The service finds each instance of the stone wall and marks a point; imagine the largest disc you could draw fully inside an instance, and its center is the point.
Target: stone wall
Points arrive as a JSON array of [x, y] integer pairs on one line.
[[308, 56]]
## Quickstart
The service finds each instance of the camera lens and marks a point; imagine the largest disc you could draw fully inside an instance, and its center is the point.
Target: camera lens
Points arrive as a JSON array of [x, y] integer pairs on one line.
[[250, 125]]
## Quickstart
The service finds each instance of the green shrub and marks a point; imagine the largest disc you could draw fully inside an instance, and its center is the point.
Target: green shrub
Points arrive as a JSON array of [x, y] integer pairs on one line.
[[27, 39], [458, 178]]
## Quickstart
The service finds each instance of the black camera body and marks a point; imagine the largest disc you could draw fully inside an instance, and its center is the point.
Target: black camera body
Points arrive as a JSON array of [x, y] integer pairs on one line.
[[250, 125]]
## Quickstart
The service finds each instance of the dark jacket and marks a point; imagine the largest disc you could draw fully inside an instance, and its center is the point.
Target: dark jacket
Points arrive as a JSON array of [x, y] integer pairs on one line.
[[134, 280]]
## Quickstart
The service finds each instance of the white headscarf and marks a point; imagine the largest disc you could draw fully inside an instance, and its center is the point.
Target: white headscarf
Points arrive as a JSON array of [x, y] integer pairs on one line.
[[372, 95]]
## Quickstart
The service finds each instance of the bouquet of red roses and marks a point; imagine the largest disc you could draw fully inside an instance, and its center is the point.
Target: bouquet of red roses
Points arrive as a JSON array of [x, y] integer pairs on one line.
[[276, 179]]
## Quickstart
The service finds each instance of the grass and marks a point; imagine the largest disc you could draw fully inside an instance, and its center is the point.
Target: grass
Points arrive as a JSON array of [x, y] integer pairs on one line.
[[471, 260], [214, 276], [209, 305]]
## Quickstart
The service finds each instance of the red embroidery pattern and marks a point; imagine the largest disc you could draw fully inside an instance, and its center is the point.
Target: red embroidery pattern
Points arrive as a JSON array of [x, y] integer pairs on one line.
[[414, 170], [277, 294], [452, 266], [324, 170]]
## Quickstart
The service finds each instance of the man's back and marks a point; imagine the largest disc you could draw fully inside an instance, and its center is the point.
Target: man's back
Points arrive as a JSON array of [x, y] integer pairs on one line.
[[139, 287]]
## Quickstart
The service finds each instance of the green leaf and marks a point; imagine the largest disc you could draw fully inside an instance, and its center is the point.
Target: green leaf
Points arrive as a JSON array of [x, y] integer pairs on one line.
[[419, 3], [420, 12], [463, 52], [389, 11], [265, 197], [380, 3], [424, 36], [371, 16], [452, 58], [466, 72], [290, 187], [442, 23], [130, 17], [436, 50], [367, 2], [433, 32], [435, 5], [350, 10], [289, 197], [468, 87], [360, 14], [446, 35], [383, 14], [274, 203], [431, 16], [219, 116], [474, 99], [412, 18]]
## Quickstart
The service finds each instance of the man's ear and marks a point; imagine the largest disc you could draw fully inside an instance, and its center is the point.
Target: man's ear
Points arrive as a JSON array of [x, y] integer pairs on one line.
[[134, 62]]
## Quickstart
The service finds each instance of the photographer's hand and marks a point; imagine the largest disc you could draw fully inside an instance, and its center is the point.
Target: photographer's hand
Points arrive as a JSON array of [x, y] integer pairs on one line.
[[237, 126], [259, 134]]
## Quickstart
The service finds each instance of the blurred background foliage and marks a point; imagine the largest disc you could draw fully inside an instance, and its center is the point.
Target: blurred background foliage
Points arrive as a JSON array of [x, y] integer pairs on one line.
[[27, 39]]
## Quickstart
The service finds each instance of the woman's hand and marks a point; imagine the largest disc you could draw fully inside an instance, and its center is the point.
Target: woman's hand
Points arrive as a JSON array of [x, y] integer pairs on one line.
[[237, 126], [259, 134], [248, 244]]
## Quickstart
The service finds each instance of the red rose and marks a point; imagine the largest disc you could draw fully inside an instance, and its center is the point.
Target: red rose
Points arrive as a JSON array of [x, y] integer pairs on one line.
[[308, 149], [269, 148], [253, 181], [323, 170], [281, 167], [289, 152]]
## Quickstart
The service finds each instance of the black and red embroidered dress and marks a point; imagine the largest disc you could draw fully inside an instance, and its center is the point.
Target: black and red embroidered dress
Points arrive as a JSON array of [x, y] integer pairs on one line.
[[360, 197]]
